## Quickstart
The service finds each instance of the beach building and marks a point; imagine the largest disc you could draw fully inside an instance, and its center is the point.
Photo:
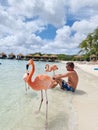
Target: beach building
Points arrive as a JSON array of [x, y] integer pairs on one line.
[[37, 57], [28, 56], [93, 57], [3, 55], [11, 56], [45, 57], [20, 56], [53, 57]]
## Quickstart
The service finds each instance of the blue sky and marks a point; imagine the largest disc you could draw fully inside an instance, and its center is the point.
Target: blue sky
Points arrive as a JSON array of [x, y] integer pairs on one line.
[[46, 26], [48, 33]]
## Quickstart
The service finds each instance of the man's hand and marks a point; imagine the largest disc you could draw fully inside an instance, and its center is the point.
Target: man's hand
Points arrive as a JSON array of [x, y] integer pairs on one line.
[[56, 76]]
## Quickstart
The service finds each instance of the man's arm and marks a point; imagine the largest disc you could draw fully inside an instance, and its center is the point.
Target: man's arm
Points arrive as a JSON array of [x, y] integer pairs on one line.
[[58, 76]]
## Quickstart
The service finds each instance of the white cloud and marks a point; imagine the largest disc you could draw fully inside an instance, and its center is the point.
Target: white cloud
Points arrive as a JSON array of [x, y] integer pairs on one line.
[[78, 4], [21, 19]]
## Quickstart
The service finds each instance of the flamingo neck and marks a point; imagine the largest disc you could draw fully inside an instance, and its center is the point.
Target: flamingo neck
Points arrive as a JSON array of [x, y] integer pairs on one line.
[[32, 71], [48, 68]]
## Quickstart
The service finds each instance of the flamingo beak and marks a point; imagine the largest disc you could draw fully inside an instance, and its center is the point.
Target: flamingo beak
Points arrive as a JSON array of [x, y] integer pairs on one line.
[[27, 66]]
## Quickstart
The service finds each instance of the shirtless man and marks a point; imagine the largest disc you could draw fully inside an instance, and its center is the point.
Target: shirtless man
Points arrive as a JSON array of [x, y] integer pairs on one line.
[[72, 76]]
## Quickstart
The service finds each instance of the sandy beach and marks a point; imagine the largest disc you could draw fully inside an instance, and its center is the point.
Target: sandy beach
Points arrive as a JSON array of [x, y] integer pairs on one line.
[[85, 98]]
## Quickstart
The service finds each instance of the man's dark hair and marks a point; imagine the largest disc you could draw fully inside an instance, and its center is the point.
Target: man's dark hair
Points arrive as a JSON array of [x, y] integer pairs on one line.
[[71, 64]]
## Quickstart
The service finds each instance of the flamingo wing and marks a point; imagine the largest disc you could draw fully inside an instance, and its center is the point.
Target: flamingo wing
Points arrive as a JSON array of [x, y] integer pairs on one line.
[[54, 67], [42, 82]]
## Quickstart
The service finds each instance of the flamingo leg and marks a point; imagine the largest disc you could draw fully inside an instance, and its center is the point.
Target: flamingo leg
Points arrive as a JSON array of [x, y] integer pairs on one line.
[[41, 100], [46, 105], [26, 87], [53, 73]]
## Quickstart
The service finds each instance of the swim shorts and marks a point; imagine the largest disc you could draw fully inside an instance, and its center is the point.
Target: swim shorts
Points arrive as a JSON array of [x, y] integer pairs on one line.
[[66, 87]]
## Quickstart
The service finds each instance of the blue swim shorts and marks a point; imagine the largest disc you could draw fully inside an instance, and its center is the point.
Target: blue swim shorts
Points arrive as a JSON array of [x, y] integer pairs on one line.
[[66, 87]]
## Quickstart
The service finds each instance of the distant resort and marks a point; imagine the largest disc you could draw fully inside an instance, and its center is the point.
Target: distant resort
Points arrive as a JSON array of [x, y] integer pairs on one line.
[[36, 57], [49, 57]]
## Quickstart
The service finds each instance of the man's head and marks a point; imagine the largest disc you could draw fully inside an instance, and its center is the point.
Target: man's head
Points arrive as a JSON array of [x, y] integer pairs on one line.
[[70, 66]]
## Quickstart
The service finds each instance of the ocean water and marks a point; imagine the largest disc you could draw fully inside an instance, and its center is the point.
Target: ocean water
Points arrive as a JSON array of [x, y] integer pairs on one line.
[[18, 109]]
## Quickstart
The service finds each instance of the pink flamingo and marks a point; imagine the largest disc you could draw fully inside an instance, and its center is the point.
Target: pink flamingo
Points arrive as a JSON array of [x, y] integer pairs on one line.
[[41, 82], [51, 68]]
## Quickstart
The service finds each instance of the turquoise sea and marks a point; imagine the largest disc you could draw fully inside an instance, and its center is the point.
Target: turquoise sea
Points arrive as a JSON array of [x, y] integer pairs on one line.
[[17, 110]]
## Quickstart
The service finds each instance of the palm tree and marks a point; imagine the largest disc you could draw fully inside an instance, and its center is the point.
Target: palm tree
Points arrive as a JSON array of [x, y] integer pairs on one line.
[[84, 47], [90, 44], [95, 38]]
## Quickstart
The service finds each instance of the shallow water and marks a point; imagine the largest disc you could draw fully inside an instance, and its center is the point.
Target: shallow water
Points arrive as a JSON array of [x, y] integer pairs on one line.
[[17, 110]]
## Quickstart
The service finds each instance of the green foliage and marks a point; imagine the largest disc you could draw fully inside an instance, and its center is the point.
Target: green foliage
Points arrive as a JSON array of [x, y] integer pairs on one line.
[[89, 45], [65, 57]]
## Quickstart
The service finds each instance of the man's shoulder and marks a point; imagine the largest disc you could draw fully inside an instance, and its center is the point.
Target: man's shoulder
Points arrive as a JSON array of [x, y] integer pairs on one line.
[[71, 72]]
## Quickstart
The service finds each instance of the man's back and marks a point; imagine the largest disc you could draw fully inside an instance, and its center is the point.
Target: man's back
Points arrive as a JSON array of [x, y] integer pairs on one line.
[[72, 78]]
